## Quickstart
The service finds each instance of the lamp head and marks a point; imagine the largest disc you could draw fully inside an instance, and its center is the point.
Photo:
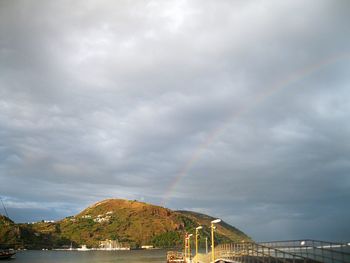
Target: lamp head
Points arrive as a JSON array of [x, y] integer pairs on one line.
[[216, 221], [199, 227], [190, 235]]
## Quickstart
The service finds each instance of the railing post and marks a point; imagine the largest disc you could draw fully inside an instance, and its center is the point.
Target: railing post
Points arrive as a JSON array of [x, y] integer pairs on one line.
[[331, 251], [300, 250], [342, 252]]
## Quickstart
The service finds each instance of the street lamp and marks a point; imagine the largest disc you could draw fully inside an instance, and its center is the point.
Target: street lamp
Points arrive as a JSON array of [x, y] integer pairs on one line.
[[212, 238], [197, 228], [186, 238], [189, 246], [206, 245]]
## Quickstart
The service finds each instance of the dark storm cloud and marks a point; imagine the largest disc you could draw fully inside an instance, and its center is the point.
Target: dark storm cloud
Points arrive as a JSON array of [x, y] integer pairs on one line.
[[104, 99]]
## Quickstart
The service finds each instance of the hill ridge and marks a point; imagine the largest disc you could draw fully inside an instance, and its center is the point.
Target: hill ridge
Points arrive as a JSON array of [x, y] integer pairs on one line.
[[131, 222]]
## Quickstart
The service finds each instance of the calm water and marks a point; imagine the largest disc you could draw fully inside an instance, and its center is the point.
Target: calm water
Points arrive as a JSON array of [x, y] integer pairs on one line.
[[133, 256]]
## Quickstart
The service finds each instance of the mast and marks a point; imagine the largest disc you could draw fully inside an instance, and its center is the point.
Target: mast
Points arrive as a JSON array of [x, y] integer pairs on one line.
[[4, 207]]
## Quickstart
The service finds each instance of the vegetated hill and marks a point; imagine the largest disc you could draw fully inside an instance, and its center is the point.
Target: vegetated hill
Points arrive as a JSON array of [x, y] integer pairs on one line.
[[9, 232], [136, 223], [42, 235], [132, 223], [228, 232], [32, 236]]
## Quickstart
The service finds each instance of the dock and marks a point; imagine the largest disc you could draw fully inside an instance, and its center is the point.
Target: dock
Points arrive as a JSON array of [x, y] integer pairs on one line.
[[291, 251]]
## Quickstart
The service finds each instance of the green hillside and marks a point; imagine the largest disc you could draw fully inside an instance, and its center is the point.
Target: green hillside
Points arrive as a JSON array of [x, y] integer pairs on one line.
[[9, 232], [132, 223], [224, 231]]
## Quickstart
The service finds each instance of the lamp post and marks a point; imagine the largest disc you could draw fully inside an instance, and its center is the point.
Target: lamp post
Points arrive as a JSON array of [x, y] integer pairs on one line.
[[206, 245], [212, 238], [185, 245], [197, 235], [189, 246]]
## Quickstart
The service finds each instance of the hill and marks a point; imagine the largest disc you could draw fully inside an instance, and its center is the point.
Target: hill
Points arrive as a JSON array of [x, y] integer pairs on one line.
[[9, 232], [223, 230], [130, 222]]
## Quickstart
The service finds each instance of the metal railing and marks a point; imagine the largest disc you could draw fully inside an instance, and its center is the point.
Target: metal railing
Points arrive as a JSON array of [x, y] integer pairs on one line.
[[321, 251], [296, 251], [250, 252]]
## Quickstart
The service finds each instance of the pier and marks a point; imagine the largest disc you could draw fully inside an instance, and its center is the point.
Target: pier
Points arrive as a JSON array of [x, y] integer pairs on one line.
[[293, 251]]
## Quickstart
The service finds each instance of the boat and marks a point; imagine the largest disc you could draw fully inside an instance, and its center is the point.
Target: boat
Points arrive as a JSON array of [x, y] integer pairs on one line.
[[7, 253], [83, 248]]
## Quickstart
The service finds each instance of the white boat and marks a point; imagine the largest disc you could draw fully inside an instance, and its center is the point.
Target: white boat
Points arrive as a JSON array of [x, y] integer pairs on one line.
[[83, 248]]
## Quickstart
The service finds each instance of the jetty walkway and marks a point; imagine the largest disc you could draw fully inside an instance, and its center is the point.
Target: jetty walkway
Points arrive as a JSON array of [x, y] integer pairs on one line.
[[292, 251]]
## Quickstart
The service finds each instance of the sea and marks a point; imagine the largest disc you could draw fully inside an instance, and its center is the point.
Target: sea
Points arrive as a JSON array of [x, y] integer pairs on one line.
[[57, 256]]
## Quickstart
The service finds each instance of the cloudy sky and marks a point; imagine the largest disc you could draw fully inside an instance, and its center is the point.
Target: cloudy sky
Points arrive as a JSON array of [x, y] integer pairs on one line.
[[238, 109]]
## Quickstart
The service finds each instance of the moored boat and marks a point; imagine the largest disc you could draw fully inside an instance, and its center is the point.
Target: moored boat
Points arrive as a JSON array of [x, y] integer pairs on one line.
[[7, 253]]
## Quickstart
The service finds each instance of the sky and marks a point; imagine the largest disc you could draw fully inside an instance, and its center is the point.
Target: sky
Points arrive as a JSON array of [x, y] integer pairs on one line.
[[237, 109]]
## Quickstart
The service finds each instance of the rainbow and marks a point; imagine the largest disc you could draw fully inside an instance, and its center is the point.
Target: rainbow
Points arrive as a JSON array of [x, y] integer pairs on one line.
[[284, 82]]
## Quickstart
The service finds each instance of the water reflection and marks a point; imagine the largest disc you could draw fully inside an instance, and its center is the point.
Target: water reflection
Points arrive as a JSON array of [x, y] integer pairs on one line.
[[133, 256]]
